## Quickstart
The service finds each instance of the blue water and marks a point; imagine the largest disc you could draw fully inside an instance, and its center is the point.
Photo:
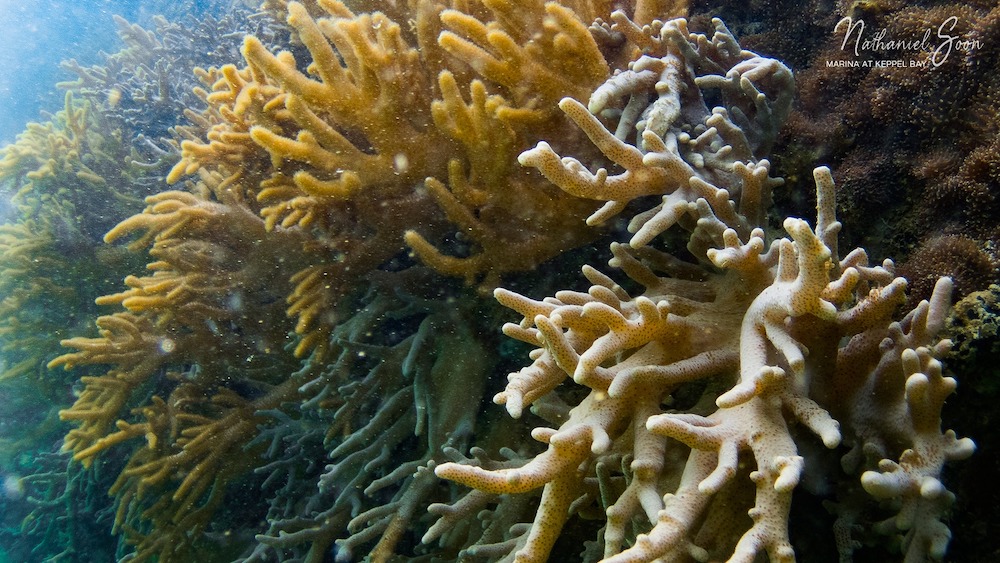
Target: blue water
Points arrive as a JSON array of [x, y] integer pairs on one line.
[[35, 35]]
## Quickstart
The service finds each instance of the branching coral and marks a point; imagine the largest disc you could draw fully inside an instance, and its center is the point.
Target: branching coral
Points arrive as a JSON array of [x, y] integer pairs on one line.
[[152, 89], [65, 183], [72, 178], [65, 512], [343, 149], [53, 179], [303, 189], [204, 305], [782, 342], [284, 341], [397, 394]]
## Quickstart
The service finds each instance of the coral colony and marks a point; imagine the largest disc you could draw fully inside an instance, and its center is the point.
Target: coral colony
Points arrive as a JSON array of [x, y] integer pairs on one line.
[[794, 337], [296, 376]]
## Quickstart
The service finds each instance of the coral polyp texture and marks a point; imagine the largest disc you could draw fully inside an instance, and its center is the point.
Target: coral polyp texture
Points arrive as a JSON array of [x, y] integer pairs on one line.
[[927, 134], [712, 385]]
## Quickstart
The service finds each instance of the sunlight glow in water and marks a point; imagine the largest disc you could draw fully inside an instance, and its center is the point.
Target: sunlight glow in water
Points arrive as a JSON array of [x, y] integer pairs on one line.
[[12, 487]]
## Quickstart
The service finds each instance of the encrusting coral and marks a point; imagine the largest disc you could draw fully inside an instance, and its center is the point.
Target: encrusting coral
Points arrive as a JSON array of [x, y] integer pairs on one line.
[[780, 344]]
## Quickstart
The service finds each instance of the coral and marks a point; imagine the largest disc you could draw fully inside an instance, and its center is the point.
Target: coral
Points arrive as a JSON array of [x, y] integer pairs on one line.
[[915, 153], [68, 517], [784, 345], [61, 166], [974, 329], [54, 179], [65, 182], [956, 256], [307, 351], [975, 325], [344, 151], [153, 88], [309, 183], [192, 329], [924, 134], [371, 389], [72, 178], [69, 181]]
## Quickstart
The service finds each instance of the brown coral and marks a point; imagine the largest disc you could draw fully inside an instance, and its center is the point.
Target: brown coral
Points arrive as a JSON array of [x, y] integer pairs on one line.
[[923, 133], [955, 256], [349, 145]]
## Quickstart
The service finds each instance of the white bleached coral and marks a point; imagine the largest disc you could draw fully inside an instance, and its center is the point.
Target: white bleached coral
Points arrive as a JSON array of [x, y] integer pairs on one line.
[[714, 386]]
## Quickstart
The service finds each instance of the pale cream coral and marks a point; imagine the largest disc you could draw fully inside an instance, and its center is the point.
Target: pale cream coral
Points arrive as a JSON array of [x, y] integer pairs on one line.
[[786, 336]]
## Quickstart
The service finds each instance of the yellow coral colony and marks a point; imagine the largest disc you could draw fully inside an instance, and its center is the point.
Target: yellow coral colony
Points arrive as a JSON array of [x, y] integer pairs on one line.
[[343, 150], [53, 175], [707, 390], [311, 176]]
